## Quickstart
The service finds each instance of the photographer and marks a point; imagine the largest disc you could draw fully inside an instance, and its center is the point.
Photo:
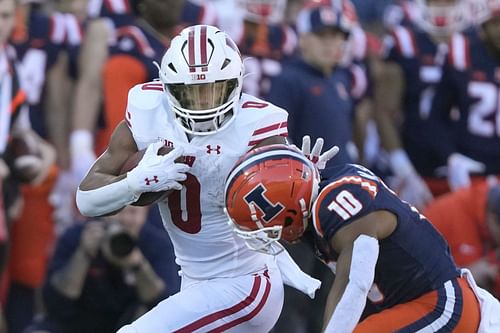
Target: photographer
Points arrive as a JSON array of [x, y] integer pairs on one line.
[[105, 273]]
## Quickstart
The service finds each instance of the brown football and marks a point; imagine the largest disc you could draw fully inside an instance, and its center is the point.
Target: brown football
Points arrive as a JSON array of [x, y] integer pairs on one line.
[[146, 198]]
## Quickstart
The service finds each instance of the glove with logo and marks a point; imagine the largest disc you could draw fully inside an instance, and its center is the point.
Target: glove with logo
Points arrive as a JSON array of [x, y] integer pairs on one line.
[[156, 173], [315, 155]]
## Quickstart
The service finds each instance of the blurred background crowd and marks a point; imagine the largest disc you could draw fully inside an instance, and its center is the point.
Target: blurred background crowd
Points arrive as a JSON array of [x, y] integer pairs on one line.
[[408, 88]]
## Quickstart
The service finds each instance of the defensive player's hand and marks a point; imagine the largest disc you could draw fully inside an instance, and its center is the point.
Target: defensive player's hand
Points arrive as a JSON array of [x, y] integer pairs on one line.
[[459, 169], [315, 155], [156, 173]]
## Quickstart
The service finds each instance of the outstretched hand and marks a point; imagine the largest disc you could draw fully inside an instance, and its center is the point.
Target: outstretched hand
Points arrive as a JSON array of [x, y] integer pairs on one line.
[[314, 155]]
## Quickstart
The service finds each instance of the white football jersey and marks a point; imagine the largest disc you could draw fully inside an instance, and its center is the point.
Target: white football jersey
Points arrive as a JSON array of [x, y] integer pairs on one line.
[[205, 245]]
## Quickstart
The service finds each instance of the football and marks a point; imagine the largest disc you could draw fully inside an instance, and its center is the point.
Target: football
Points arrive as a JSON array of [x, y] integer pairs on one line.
[[24, 158], [146, 198]]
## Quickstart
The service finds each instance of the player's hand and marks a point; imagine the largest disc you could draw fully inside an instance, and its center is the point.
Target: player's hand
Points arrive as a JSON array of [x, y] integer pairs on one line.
[[156, 173], [407, 183], [315, 155], [414, 190], [459, 169]]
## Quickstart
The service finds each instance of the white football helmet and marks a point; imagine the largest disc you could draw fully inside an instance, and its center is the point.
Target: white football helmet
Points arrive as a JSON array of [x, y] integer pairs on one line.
[[264, 11], [202, 72], [440, 19]]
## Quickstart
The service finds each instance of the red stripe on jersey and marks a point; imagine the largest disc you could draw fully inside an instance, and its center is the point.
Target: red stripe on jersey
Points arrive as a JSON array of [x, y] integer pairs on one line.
[[256, 142], [269, 128], [224, 313], [203, 45]]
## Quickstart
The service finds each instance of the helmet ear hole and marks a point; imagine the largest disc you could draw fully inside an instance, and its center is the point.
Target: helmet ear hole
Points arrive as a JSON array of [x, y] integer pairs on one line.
[[226, 62], [172, 67], [288, 221]]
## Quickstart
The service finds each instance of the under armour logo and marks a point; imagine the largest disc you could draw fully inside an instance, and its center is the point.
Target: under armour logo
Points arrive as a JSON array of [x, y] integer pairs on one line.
[[210, 149], [148, 181]]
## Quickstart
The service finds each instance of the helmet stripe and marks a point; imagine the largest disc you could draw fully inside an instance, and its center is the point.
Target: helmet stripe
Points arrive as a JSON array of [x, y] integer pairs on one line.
[[191, 60], [203, 45]]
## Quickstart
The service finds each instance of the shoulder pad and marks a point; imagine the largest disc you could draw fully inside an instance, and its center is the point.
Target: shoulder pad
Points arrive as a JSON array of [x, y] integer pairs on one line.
[[342, 201], [145, 96], [265, 119]]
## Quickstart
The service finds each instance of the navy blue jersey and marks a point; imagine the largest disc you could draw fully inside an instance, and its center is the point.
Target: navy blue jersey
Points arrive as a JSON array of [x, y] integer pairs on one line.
[[413, 260], [264, 54], [38, 46], [318, 105], [420, 59], [471, 83]]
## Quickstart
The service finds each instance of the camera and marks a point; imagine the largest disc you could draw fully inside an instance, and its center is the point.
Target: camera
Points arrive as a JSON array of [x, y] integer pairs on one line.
[[121, 244]]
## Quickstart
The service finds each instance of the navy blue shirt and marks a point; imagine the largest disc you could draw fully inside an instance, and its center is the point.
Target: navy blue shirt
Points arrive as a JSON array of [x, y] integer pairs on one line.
[[420, 60], [105, 296], [413, 260], [318, 105], [470, 83]]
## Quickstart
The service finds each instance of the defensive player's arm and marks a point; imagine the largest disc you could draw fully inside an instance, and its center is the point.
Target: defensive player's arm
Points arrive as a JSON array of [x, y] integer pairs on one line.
[[358, 248], [104, 190]]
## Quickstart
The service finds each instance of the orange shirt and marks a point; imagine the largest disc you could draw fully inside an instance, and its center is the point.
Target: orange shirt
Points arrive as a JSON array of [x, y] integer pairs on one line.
[[461, 218]]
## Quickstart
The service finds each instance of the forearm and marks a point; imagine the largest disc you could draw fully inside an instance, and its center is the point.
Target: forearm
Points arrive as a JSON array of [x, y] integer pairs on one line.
[[348, 310], [149, 285], [69, 280], [106, 199]]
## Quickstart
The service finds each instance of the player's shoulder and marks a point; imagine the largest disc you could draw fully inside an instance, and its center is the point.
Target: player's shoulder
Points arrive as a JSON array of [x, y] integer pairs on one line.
[[346, 194], [256, 108], [146, 96]]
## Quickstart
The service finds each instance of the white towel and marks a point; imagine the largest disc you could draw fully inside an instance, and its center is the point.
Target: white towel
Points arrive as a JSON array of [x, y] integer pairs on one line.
[[293, 276], [490, 306]]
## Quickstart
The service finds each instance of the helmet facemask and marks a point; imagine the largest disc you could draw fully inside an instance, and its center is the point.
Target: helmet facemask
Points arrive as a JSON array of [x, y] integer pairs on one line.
[[202, 72]]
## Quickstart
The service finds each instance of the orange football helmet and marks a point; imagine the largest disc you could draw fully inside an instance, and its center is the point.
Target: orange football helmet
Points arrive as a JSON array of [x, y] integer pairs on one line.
[[268, 196]]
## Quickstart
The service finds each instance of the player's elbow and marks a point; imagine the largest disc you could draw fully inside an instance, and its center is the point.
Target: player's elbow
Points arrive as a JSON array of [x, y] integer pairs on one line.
[[84, 205]]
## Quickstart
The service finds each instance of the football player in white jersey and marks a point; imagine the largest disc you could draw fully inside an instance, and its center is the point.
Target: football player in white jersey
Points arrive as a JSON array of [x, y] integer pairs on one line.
[[197, 107]]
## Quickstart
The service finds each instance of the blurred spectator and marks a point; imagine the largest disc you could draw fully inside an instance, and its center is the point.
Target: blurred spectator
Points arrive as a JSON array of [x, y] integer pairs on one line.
[[466, 114], [318, 92], [263, 38], [469, 220], [404, 90], [40, 40], [371, 12], [105, 273]]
